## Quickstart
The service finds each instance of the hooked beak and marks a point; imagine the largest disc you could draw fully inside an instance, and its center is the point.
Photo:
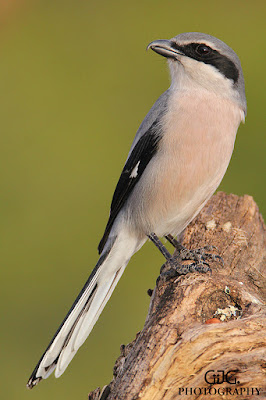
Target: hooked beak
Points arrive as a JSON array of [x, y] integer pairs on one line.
[[165, 48]]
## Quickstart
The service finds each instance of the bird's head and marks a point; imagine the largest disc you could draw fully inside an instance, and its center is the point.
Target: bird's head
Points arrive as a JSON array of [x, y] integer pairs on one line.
[[200, 60]]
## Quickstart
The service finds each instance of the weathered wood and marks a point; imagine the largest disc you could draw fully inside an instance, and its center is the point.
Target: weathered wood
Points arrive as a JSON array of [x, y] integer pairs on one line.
[[204, 322]]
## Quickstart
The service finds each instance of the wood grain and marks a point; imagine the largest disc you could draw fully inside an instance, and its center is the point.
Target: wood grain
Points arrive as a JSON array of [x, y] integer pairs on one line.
[[204, 322]]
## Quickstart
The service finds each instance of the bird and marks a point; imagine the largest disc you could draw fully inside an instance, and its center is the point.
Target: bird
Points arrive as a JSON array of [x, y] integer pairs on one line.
[[176, 162]]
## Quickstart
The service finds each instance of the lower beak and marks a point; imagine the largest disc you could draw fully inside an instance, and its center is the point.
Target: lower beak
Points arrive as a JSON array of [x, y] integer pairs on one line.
[[165, 48]]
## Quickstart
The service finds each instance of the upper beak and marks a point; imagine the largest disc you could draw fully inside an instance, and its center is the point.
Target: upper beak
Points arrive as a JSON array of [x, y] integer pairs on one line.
[[166, 48]]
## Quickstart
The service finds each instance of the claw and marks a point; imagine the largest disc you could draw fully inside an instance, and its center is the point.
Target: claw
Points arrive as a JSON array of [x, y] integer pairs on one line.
[[198, 255], [175, 266], [209, 248], [175, 269], [219, 258]]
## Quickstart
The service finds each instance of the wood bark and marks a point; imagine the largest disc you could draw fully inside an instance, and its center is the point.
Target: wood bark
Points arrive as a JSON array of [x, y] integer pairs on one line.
[[201, 325]]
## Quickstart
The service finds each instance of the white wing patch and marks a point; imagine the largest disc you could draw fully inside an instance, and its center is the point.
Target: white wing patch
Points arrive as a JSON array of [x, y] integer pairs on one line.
[[242, 116], [134, 172]]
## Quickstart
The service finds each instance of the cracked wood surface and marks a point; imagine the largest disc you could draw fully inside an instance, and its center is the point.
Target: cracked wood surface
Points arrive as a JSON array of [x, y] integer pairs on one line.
[[202, 322]]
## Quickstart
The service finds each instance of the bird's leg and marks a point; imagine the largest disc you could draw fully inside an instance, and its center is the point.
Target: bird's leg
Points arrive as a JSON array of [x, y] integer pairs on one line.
[[174, 242], [154, 238], [197, 255], [174, 267]]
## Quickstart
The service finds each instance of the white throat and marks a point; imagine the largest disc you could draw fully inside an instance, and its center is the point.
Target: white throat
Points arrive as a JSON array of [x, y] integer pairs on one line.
[[191, 75]]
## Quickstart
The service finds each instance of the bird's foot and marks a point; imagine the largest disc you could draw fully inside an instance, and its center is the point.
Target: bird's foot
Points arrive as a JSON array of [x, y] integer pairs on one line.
[[202, 254], [175, 265], [200, 257], [174, 268]]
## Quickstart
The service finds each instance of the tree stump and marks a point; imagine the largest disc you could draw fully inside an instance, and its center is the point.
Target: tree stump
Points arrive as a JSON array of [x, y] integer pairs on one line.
[[204, 336]]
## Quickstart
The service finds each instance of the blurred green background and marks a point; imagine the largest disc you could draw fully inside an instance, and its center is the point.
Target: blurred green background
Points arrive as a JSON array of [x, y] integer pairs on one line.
[[75, 83]]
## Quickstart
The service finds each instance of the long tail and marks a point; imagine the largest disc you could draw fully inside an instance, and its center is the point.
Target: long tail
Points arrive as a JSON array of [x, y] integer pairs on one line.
[[87, 308]]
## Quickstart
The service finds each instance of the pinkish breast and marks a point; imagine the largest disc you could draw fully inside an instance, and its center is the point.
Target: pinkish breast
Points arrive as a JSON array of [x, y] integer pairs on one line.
[[199, 135]]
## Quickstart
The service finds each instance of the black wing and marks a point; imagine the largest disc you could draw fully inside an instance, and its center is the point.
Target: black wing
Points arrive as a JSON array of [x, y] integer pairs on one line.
[[136, 163]]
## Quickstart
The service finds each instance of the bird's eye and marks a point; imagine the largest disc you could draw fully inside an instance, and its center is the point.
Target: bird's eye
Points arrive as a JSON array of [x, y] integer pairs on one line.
[[203, 50]]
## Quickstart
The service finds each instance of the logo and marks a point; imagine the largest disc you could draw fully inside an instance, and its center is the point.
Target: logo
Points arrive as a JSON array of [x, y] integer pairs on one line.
[[218, 377]]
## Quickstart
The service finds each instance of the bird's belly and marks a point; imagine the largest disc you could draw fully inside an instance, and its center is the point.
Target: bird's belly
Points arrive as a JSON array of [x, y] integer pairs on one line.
[[175, 197], [190, 163]]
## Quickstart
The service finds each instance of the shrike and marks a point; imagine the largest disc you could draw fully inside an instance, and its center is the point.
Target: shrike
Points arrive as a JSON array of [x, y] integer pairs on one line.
[[177, 160]]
